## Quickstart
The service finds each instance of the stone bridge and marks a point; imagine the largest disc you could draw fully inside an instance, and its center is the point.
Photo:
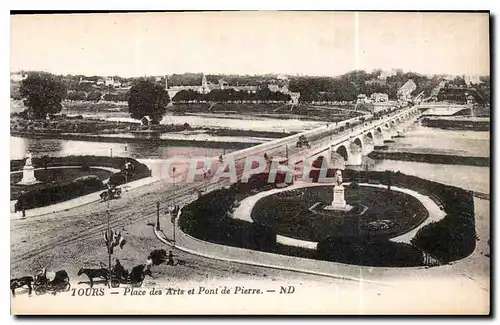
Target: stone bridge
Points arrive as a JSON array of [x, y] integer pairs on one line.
[[347, 148]]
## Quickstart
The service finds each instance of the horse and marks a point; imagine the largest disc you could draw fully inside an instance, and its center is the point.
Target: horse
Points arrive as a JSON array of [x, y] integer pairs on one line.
[[20, 282], [101, 273], [138, 274]]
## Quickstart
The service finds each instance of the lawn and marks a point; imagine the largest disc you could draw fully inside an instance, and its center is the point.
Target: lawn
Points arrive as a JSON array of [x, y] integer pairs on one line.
[[50, 176], [389, 214]]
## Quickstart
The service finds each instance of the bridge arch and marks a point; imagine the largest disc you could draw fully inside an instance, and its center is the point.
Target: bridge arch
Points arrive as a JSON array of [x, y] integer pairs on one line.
[[386, 125], [342, 150], [379, 130], [369, 135], [358, 142]]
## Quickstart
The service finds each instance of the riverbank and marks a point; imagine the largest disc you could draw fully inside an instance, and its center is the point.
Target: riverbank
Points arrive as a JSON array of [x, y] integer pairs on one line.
[[78, 124], [131, 139], [458, 123], [431, 158]]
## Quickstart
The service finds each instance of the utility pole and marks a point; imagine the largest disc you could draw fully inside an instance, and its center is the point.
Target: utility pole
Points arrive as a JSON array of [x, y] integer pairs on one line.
[[157, 215], [173, 172], [109, 253]]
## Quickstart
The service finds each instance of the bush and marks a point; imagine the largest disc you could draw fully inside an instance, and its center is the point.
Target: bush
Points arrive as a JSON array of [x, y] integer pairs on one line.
[[118, 179]]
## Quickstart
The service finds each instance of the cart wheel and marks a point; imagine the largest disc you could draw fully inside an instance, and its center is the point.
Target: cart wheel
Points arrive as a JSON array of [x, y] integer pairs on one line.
[[67, 287], [137, 284], [115, 283], [39, 291]]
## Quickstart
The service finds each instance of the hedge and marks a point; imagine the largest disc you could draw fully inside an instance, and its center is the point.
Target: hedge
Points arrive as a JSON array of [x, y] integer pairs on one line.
[[358, 251], [103, 161], [209, 219], [80, 186], [58, 193], [449, 239]]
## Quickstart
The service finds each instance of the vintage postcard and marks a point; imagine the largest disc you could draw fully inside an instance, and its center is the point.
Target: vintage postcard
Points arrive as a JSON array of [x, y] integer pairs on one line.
[[266, 162]]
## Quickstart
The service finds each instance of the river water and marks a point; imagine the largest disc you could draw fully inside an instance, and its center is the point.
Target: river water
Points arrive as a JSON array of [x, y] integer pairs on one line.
[[238, 122], [420, 139], [417, 139]]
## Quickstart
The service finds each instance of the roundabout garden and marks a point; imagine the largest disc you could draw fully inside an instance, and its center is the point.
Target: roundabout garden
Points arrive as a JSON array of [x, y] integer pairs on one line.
[[377, 213], [361, 236], [59, 179]]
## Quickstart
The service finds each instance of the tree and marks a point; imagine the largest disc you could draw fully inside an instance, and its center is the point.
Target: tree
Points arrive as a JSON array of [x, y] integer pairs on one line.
[[94, 96], [148, 98], [42, 93]]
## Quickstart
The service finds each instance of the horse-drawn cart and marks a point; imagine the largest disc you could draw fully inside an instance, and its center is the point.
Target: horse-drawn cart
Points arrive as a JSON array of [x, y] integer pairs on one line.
[[135, 278], [60, 283]]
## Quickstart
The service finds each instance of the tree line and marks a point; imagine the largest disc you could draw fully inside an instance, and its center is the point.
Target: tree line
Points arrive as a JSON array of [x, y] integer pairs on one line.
[[43, 92], [230, 95], [349, 85]]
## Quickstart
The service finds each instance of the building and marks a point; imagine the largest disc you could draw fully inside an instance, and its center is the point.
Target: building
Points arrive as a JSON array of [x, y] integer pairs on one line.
[[362, 98], [294, 97], [18, 76], [386, 74], [204, 89], [223, 84], [85, 81], [111, 82], [404, 93], [379, 97], [472, 80]]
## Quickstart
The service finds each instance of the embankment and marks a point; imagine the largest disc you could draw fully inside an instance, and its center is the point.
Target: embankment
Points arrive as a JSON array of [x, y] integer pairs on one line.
[[431, 158]]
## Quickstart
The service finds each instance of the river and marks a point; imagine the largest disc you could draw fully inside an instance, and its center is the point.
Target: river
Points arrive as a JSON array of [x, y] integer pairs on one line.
[[219, 121], [421, 139]]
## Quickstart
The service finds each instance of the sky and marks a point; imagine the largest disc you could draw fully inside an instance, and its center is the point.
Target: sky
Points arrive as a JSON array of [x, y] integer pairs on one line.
[[305, 43]]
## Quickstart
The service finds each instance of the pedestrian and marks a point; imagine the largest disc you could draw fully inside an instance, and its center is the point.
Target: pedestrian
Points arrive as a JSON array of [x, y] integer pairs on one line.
[[170, 258]]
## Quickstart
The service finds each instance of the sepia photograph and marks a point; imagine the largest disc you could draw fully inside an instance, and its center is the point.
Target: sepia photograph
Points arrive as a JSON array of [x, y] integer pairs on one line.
[[250, 163]]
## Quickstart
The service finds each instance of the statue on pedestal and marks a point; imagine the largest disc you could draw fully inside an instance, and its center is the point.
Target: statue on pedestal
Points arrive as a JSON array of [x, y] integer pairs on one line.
[[338, 177], [29, 158], [338, 202], [28, 171]]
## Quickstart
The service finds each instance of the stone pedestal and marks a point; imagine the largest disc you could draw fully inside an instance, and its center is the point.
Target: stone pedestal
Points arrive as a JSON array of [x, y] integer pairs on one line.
[[338, 202], [28, 176]]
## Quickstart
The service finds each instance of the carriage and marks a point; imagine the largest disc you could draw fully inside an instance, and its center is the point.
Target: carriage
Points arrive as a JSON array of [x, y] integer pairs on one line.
[[135, 278], [111, 194], [60, 283], [303, 142]]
